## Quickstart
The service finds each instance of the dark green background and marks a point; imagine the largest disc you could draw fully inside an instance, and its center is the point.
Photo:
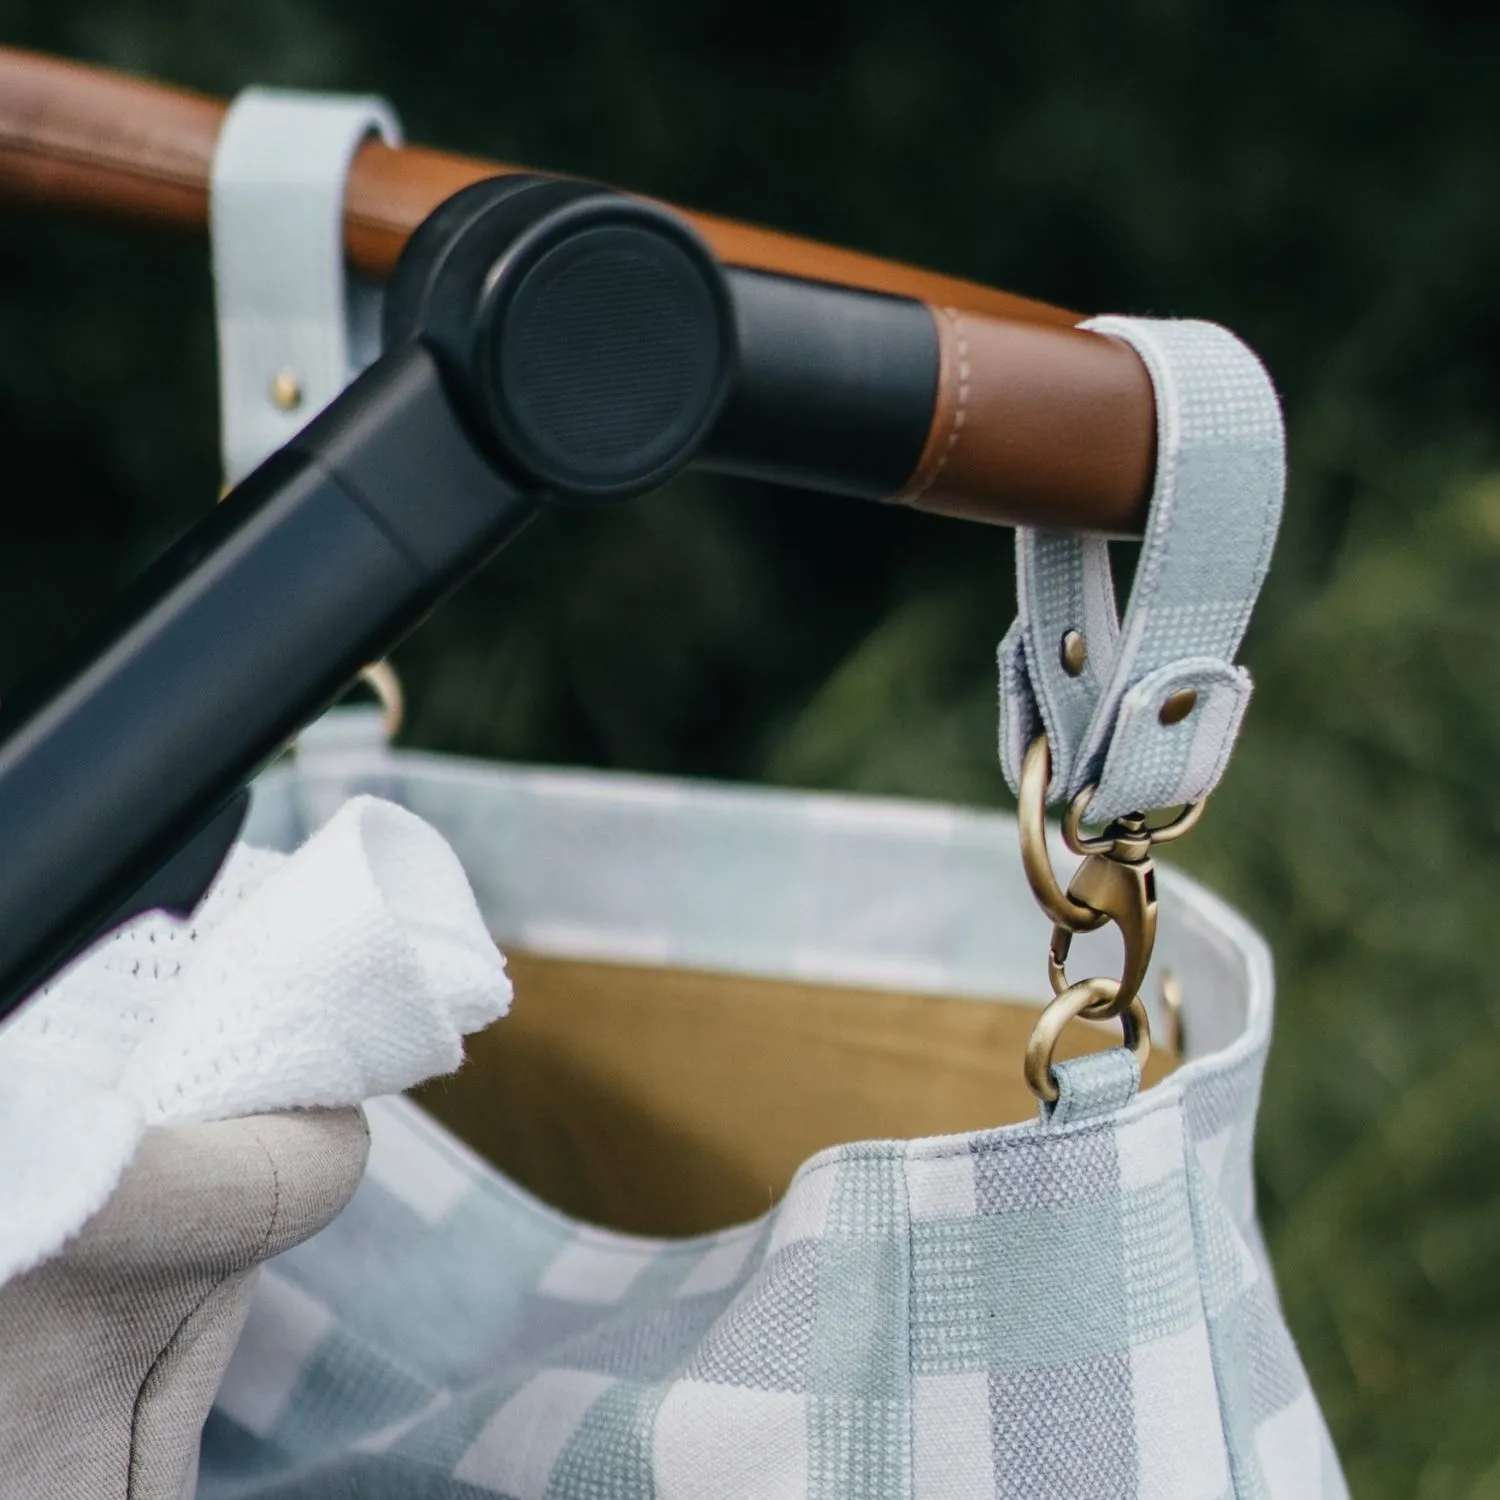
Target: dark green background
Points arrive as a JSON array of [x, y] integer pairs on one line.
[[1319, 174]]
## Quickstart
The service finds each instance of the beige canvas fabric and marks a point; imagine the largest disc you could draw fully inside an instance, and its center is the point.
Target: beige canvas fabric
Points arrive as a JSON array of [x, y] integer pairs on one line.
[[674, 1101], [110, 1354]]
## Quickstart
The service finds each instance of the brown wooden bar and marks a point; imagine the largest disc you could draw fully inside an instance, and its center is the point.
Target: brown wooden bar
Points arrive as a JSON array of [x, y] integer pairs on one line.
[[1035, 422]]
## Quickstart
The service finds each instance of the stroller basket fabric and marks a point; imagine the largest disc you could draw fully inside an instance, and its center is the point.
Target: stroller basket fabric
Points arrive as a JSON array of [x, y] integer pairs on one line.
[[1079, 1310]]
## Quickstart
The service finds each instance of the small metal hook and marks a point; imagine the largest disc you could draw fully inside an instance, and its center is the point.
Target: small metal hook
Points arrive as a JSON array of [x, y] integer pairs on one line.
[[1118, 890], [1116, 883]]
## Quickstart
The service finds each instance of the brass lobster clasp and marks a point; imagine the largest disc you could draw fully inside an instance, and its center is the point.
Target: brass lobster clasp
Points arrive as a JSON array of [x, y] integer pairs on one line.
[[1116, 883], [1119, 887]]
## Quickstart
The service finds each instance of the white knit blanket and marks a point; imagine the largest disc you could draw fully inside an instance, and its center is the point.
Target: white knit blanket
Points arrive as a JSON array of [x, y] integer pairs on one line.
[[351, 968]]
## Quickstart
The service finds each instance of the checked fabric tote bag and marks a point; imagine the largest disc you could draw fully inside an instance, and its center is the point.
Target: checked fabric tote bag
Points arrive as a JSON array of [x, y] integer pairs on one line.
[[752, 1197], [773, 1040]]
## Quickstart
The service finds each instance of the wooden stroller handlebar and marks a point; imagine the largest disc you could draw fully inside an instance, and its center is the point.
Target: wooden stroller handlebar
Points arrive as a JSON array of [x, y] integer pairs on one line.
[[1032, 421]]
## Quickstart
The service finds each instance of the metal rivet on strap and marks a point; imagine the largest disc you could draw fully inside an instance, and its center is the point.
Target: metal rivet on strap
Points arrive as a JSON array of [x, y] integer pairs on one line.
[[286, 391], [1178, 706], [1074, 653]]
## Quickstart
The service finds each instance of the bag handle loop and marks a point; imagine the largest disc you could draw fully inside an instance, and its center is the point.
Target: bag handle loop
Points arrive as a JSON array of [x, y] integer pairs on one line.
[[294, 329], [1120, 718]]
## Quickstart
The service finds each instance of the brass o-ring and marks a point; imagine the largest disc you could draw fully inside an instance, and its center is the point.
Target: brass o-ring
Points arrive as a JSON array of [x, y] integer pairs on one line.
[[1036, 860], [1074, 1002], [380, 677]]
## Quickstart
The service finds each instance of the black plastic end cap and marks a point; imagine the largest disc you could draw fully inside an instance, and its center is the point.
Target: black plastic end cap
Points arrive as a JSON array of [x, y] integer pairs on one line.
[[593, 335], [605, 356]]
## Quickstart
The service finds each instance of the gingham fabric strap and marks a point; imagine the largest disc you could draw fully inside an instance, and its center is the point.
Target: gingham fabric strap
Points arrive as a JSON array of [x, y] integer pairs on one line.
[[1092, 1087], [1214, 512], [293, 329]]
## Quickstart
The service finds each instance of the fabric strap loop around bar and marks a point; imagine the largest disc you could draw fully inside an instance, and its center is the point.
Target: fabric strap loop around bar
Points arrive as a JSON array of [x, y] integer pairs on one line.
[[293, 328], [1214, 514]]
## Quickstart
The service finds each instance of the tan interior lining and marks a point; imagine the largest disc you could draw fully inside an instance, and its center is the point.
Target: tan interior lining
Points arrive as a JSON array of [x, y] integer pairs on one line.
[[674, 1101]]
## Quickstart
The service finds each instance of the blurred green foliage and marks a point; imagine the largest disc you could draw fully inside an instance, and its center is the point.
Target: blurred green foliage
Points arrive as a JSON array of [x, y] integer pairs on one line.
[[1319, 174]]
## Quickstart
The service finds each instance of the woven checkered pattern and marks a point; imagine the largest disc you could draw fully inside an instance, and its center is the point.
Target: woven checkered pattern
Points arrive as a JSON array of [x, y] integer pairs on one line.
[[1025, 1312], [1214, 514], [1077, 1307]]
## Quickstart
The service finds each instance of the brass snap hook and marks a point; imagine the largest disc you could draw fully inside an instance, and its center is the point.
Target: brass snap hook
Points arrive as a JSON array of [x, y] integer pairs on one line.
[[1119, 887], [1116, 883]]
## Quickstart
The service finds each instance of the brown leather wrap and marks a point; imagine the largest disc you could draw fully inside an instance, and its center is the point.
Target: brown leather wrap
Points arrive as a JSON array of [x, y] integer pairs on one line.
[[1056, 411], [1034, 422]]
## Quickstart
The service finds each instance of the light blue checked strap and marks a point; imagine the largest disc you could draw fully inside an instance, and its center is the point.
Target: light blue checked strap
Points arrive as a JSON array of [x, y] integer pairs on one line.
[[293, 328], [1213, 519]]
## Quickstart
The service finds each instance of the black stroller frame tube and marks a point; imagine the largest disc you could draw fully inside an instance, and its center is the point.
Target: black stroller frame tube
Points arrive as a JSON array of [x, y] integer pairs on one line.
[[239, 636], [122, 775], [545, 340]]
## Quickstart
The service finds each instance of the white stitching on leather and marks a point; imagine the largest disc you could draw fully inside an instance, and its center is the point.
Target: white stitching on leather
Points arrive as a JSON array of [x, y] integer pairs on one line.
[[961, 409]]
